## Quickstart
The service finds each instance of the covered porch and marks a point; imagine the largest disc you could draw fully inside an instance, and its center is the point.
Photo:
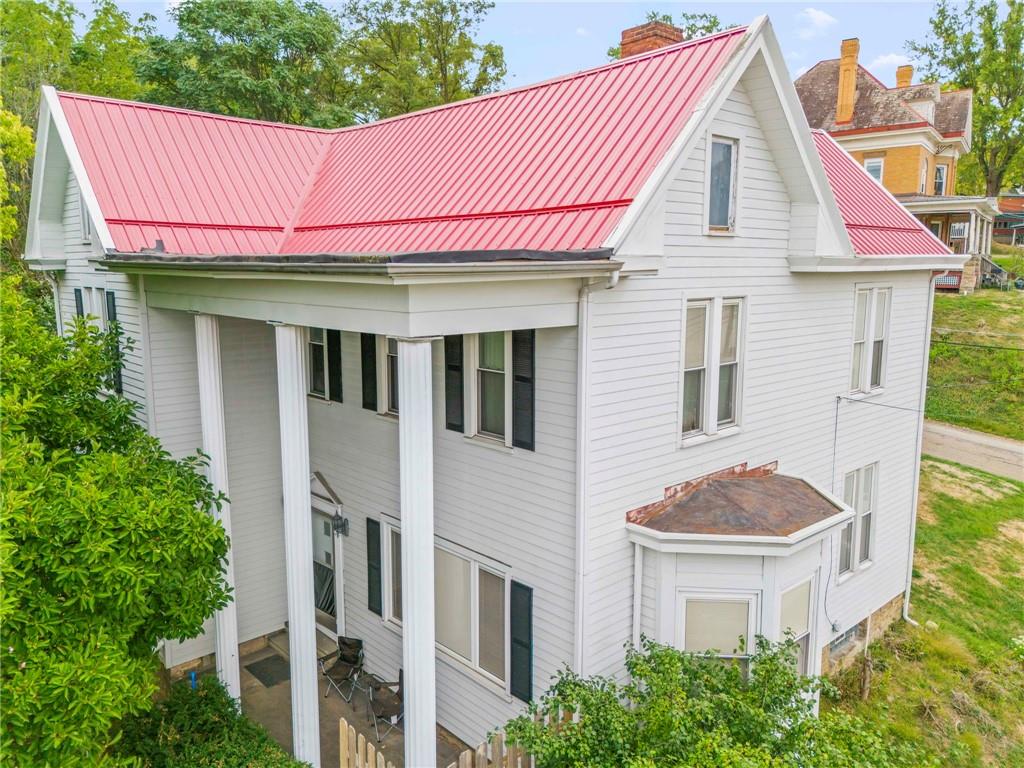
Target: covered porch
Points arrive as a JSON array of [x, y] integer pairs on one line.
[[408, 310]]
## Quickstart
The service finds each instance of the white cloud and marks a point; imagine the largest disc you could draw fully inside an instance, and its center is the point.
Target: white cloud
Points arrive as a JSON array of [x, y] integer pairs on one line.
[[888, 61], [582, 32], [813, 23]]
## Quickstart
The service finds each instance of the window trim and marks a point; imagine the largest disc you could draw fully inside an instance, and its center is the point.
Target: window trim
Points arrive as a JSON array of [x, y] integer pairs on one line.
[[856, 563], [384, 376], [737, 140], [477, 561], [944, 167], [471, 390], [864, 386], [752, 598], [881, 167], [712, 366]]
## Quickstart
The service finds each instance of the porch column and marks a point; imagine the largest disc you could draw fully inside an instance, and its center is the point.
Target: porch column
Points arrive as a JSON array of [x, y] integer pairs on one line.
[[298, 543], [416, 474], [211, 410]]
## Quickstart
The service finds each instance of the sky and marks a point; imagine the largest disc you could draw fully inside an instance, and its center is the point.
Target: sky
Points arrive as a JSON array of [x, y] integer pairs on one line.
[[546, 39]]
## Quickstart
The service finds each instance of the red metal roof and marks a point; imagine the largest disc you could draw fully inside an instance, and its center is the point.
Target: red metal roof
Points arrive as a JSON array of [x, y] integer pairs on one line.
[[550, 166], [877, 224]]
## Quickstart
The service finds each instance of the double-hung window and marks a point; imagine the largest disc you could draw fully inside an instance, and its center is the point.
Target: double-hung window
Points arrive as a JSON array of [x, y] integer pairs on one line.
[[722, 624], [323, 351], [870, 338], [711, 365], [874, 167], [493, 383], [796, 618], [391, 376], [940, 179], [470, 605], [855, 540], [722, 177]]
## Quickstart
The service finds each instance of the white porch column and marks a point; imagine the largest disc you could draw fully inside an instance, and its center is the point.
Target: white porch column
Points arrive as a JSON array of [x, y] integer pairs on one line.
[[416, 473], [211, 409], [298, 541]]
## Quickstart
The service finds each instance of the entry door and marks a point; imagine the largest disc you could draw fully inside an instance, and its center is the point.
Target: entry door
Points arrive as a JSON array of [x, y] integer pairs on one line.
[[325, 561]]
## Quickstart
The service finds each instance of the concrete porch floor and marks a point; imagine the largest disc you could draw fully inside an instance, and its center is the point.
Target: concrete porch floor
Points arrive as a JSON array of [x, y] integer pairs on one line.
[[271, 707]]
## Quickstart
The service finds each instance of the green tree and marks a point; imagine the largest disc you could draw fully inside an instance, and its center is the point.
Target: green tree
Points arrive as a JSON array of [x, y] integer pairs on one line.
[[16, 149], [682, 710], [693, 25], [277, 60], [104, 59], [410, 55], [971, 46], [106, 545]]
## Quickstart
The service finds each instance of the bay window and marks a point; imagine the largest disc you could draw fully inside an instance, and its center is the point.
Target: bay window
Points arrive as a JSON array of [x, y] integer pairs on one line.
[[870, 334], [796, 618], [721, 624], [711, 366]]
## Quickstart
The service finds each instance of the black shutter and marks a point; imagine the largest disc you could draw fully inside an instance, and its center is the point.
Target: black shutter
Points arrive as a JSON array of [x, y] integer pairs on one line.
[[373, 580], [368, 349], [79, 304], [521, 641], [453, 383], [523, 354], [334, 365], [112, 325]]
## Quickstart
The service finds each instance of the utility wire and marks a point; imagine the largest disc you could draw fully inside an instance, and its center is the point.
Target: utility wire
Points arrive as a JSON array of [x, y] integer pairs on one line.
[[876, 404]]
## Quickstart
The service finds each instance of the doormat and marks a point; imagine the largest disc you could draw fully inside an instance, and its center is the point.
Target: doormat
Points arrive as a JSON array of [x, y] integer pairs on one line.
[[270, 671]]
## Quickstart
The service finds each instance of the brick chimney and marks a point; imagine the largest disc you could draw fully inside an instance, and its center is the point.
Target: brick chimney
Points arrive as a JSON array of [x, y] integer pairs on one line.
[[648, 37], [846, 94], [904, 75]]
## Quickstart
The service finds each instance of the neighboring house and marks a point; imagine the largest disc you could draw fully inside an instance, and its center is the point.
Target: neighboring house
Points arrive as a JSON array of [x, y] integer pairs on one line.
[[631, 351], [1009, 226], [910, 139]]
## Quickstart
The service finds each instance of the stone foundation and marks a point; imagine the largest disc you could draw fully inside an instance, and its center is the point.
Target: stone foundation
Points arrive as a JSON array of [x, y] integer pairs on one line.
[[874, 626]]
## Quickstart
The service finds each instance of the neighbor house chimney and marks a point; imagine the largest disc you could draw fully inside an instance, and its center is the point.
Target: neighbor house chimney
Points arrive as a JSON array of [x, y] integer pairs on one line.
[[904, 74], [648, 37], [846, 94]]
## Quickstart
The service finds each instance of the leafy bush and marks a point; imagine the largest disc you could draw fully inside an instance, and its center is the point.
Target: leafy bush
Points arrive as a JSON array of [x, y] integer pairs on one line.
[[200, 728], [682, 710], [106, 545]]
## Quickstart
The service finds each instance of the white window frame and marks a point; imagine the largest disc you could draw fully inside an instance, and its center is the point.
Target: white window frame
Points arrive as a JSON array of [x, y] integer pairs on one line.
[[856, 525], [812, 603], [477, 563], [471, 390], [945, 178], [384, 404], [863, 384], [326, 395], [880, 162], [712, 367], [714, 595], [924, 177], [84, 220], [737, 160]]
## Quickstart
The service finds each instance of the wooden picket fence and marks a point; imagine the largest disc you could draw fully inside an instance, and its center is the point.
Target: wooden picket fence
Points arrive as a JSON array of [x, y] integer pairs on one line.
[[358, 752]]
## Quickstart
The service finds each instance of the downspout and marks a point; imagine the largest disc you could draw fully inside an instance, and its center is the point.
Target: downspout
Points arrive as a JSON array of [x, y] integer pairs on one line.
[[917, 447], [582, 424]]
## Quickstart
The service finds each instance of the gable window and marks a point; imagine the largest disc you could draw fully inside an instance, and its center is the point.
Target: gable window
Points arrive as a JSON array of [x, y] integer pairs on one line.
[[722, 624], [940, 179], [324, 353], [796, 618], [722, 184], [874, 166], [855, 541], [870, 332], [85, 222], [711, 365]]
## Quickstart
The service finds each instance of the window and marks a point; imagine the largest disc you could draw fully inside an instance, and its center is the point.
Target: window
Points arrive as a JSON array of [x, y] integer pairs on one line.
[[796, 618], [935, 225], [711, 365], [391, 376], [491, 383], [324, 350], [855, 542], [722, 184], [85, 222], [940, 179], [874, 165], [470, 606], [870, 331], [721, 624], [923, 189]]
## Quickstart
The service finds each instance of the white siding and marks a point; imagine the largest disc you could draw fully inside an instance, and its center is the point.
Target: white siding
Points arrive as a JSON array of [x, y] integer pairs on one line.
[[796, 362]]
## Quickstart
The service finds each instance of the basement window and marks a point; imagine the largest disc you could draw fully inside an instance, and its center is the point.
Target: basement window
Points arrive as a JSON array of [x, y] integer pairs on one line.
[[721, 194]]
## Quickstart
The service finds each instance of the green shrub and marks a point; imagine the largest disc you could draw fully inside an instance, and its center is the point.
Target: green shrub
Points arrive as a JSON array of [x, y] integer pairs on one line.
[[201, 728]]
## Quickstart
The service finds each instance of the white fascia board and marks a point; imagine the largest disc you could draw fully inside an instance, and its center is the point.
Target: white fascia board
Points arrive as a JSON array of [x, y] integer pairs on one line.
[[32, 247], [60, 122], [687, 138], [893, 263]]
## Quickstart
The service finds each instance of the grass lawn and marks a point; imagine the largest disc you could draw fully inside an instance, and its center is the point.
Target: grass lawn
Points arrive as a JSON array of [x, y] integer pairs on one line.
[[957, 688], [977, 386]]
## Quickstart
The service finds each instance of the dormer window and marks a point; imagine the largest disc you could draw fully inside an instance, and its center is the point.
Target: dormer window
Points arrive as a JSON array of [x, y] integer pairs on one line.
[[721, 192]]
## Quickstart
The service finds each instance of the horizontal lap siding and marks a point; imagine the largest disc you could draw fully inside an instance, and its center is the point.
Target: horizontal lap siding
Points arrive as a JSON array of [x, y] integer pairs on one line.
[[514, 507], [797, 360]]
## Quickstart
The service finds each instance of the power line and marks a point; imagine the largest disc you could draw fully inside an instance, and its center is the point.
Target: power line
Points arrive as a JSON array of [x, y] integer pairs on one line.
[[877, 404]]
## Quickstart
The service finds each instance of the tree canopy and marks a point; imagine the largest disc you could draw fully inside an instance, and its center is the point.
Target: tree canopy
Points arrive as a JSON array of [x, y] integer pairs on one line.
[[681, 710], [693, 25], [974, 45], [106, 544]]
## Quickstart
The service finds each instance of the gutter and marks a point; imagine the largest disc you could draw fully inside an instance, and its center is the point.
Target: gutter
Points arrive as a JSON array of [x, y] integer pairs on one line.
[[917, 449]]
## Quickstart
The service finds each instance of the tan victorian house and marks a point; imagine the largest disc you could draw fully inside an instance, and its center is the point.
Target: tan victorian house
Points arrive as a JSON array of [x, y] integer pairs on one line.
[[910, 139]]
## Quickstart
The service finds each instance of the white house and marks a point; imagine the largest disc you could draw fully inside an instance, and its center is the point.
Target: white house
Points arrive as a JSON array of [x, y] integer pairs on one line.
[[628, 351]]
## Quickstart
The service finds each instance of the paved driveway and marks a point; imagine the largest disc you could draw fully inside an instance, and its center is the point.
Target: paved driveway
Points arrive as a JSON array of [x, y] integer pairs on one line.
[[998, 455]]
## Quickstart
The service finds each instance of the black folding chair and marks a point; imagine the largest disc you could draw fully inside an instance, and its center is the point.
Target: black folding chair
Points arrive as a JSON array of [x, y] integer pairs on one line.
[[342, 666], [387, 703]]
